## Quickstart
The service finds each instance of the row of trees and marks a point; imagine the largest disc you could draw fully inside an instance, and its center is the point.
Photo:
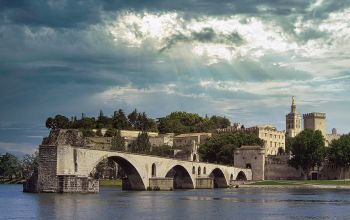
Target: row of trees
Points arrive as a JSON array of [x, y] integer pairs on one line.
[[133, 121], [12, 168], [176, 122], [184, 122], [219, 148], [308, 150]]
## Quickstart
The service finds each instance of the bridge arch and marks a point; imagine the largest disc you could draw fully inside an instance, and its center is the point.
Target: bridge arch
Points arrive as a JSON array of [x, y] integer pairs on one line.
[[241, 176], [132, 179], [219, 178], [181, 178]]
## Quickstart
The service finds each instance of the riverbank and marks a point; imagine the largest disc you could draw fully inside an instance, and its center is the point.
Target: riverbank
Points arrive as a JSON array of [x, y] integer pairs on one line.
[[113, 182], [299, 184]]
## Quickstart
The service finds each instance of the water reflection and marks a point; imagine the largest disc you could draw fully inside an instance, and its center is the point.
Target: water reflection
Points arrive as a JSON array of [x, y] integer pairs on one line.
[[112, 203]]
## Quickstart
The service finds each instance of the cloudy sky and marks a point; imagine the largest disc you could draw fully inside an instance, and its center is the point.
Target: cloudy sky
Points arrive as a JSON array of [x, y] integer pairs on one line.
[[242, 59]]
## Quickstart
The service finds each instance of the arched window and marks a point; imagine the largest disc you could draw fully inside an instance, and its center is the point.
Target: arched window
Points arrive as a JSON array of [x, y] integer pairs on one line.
[[204, 170], [154, 170], [194, 157], [193, 170], [199, 171], [248, 166]]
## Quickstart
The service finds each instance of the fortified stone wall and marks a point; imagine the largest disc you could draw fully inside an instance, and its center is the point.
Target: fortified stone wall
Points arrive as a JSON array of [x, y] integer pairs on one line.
[[330, 172], [251, 157], [277, 168]]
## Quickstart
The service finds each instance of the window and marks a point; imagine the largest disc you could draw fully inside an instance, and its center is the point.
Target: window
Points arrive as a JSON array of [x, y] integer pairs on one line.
[[199, 171], [154, 170], [193, 170]]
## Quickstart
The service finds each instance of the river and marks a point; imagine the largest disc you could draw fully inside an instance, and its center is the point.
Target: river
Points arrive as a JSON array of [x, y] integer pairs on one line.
[[113, 203]]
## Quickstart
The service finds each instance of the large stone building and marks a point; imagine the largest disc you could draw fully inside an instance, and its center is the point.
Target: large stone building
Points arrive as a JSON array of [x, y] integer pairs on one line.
[[293, 121], [272, 138], [315, 121], [332, 137]]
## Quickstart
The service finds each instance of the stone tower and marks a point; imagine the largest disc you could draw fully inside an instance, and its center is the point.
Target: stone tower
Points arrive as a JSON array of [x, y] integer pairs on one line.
[[293, 121], [315, 121]]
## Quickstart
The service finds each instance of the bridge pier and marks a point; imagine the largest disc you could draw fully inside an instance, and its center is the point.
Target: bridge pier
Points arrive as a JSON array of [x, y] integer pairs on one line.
[[159, 183], [204, 183]]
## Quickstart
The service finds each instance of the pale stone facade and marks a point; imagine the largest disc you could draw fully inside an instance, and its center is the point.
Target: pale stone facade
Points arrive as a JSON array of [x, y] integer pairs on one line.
[[293, 121], [315, 121], [273, 139], [332, 137], [162, 139]]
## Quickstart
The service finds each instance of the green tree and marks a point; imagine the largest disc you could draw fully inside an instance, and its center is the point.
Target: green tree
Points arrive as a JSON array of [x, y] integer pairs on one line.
[[339, 153], [219, 148], [118, 142], [103, 121], [184, 122], [219, 122], [120, 121], [59, 122], [29, 164], [307, 150], [289, 142], [163, 151], [141, 144], [10, 166], [133, 118]]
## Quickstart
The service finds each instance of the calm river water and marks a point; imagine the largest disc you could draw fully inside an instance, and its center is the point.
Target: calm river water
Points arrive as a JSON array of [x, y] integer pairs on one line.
[[112, 203]]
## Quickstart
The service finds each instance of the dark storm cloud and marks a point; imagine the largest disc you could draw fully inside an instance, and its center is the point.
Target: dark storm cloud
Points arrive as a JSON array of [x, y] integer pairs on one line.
[[53, 13], [55, 55], [206, 35]]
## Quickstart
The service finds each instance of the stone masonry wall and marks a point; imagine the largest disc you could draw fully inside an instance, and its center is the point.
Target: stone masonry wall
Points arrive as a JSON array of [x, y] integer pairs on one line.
[[47, 179]]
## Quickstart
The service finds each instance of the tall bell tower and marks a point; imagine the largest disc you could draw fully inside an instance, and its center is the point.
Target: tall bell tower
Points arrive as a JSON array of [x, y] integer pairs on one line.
[[293, 121]]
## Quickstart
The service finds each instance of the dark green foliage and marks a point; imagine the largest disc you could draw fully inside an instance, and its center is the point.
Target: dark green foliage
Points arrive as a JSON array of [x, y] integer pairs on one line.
[[84, 123], [140, 121], [120, 121], [88, 133], [103, 121], [141, 144], [111, 132], [339, 152], [59, 122], [134, 121], [308, 150], [280, 151], [118, 142], [163, 151], [10, 166], [184, 122], [219, 148], [289, 142]]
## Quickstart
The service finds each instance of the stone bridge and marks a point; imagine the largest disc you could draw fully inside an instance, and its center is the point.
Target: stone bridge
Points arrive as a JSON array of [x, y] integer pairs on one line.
[[64, 168]]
